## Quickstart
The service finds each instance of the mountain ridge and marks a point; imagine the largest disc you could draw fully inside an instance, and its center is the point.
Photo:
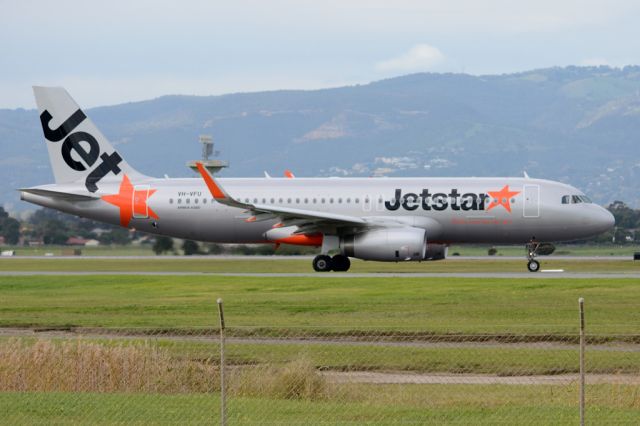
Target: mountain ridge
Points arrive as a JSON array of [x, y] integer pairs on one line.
[[573, 124]]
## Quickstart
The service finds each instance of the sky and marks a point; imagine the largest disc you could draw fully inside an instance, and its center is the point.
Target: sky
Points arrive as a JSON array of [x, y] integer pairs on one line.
[[121, 51]]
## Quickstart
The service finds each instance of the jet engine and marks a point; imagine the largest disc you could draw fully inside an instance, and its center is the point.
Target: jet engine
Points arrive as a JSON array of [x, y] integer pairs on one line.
[[436, 252], [387, 244]]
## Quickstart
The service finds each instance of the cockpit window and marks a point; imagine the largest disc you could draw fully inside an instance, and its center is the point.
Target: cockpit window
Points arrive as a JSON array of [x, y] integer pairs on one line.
[[575, 199]]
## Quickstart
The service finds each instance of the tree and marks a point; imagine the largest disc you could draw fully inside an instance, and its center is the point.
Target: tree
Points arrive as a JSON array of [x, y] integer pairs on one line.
[[115, 236], [11, 231], [163, 245], [190, 247], [626, 217], [9, 228], [214, 248]]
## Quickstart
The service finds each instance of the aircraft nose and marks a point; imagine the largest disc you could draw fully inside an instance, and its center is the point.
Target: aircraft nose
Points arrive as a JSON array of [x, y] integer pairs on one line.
[[604, 220]]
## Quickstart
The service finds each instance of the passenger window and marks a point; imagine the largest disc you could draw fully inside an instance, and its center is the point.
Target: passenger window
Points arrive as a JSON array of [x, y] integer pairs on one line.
[[179, 200], [366, 205], [204, 201], [170, 200], [195, 200]]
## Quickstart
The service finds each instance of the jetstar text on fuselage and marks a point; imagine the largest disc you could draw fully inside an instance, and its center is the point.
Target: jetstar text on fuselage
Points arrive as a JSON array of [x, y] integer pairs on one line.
[[438, 201]]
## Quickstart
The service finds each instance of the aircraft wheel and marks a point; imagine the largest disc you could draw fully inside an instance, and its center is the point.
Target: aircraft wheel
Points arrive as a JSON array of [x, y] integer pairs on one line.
[[533, 266], [322, 263], [340, 263]]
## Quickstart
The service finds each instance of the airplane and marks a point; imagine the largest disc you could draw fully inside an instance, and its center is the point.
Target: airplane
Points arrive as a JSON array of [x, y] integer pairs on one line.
[[379, 219]]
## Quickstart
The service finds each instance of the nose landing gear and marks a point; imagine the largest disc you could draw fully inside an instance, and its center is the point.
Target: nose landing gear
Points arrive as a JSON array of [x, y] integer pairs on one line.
[[532, 251], [533, 265]]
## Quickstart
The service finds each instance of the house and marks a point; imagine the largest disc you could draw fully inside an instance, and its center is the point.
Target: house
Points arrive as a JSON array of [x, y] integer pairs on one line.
[[76, 241]]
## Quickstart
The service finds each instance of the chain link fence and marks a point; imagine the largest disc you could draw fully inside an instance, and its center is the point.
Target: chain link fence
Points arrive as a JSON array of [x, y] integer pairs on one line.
[[314, 375]]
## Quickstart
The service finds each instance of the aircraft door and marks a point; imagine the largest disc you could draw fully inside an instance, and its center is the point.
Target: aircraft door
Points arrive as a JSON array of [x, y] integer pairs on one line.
[[531, 201], [139, 202]]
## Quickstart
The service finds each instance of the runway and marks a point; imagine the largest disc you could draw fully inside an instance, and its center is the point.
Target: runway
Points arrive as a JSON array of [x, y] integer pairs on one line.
[[325, 275], [284, 257]]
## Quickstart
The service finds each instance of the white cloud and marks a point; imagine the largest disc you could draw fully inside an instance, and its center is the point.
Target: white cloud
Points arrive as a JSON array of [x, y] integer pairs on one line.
[[594, 62], [420, 57]]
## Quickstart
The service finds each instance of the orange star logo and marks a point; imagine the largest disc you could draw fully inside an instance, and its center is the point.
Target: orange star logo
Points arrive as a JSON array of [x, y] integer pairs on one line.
[[502, 198], [131, 202]]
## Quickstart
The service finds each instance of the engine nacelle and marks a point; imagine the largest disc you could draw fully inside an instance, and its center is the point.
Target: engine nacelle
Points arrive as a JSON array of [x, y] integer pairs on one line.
[[386, 245], [436, 252]]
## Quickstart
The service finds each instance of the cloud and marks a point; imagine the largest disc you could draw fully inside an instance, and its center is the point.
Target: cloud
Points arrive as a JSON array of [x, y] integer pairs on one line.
[[420, 57], [594, 62]]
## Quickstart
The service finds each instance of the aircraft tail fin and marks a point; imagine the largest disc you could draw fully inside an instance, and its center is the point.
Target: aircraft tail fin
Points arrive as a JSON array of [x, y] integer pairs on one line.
[[78, 151]]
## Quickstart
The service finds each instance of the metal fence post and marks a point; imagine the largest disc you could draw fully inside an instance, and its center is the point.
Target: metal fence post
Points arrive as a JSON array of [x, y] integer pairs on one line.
[[581, 306], [223, 390]]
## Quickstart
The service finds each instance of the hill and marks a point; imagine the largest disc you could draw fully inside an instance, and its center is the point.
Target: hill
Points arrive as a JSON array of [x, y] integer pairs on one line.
[[578, 125]]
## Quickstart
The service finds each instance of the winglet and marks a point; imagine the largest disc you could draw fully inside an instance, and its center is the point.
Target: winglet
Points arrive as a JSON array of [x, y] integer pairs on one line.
[[216, 190], [288, 174]]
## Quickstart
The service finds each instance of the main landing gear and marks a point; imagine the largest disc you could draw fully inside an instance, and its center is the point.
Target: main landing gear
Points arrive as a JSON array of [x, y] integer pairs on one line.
[[532, 251], [338, 263]]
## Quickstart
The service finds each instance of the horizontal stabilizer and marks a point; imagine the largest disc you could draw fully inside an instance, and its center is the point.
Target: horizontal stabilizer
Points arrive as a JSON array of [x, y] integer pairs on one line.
[[63, 196]]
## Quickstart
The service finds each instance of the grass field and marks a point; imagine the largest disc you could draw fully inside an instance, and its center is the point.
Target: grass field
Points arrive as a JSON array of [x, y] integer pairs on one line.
[[299, 308], [458, 404], [440, 305]]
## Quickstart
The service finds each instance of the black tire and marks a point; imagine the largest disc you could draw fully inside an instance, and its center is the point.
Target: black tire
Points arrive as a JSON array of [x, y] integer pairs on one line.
[[340, 263], [322, 263], [533, 266]]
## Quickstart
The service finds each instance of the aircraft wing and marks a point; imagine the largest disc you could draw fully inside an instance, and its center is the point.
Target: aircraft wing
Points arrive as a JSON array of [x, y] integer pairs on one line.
[[304, 219]]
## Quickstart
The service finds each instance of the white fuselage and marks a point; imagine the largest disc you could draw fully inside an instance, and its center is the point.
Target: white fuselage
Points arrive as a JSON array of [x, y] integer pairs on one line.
[[455, 210]]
